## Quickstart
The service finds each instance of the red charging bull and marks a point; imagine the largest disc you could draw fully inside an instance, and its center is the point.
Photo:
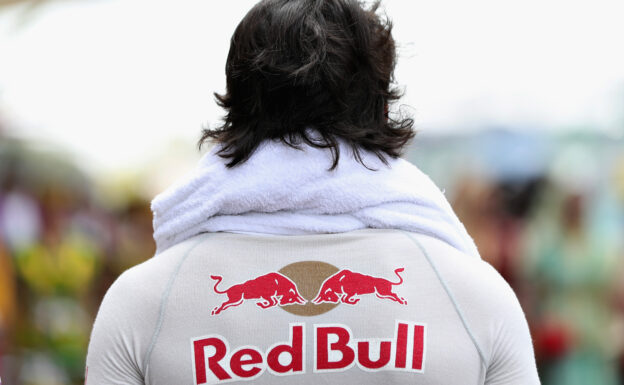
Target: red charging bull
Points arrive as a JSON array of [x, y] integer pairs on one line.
[[346, 285], [271, 289]]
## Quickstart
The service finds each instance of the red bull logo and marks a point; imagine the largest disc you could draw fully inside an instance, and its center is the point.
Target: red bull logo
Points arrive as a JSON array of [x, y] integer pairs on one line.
[[335, 349], [270, 289], [345, 286], [277, 289]]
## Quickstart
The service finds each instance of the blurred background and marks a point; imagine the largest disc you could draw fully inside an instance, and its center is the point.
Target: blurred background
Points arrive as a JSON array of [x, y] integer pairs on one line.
[[519, 108]]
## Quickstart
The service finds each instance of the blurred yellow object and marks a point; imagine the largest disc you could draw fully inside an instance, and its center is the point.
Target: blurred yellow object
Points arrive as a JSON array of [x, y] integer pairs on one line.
[[7, 290], [618, 178], [64, 268]]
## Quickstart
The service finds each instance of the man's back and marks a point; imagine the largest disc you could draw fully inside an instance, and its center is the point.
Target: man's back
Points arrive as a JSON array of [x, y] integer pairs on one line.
[[372, 306]]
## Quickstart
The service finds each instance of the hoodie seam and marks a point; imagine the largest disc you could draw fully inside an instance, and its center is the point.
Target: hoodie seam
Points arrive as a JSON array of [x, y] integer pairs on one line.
[[449, 293], [164, 300]]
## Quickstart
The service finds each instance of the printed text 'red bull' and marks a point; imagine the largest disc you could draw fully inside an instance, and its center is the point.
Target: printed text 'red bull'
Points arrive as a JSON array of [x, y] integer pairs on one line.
[[335, 349]]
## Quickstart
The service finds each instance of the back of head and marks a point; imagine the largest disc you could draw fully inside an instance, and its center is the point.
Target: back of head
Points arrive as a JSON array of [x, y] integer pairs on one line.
[[322, 64]]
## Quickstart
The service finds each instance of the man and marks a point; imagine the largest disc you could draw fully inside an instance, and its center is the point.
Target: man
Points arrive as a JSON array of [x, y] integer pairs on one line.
[[303, 249]]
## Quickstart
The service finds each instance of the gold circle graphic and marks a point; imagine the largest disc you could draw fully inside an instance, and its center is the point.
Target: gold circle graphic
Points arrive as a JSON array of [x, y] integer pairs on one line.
[[309, 276]]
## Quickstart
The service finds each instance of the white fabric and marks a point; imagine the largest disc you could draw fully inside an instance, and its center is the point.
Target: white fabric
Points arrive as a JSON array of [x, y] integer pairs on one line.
[[476, 332], [282, 190]]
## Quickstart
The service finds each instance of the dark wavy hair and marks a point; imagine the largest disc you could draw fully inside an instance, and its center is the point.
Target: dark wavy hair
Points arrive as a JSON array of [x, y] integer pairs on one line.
[[325, 64]]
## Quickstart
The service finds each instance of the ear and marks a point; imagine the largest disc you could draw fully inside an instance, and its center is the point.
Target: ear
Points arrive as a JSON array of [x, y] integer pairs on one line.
[[386, 111]]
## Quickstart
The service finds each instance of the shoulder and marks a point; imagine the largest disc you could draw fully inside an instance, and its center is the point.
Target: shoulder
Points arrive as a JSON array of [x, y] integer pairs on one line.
[[472, 280], [477, 285], [128, 317], [490, 310], [489, 305], [131, 304]]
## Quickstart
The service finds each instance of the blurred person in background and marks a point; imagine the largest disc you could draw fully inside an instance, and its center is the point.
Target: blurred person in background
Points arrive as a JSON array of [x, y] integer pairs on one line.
[[7, 300], [57, 244], [303, 244], [619, 291], [7, 281], [572, 263]]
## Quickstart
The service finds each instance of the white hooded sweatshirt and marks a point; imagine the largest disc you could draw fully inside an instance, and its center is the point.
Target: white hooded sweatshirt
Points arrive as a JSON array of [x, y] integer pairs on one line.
[[392, 291]]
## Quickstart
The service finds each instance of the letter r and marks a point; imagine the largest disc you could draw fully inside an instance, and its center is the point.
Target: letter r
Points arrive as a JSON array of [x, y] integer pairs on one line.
[[213, 361]]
